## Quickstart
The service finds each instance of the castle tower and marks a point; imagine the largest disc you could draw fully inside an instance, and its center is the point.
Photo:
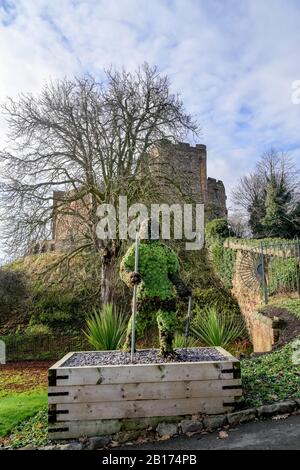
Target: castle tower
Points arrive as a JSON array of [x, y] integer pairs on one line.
[[188, 165]]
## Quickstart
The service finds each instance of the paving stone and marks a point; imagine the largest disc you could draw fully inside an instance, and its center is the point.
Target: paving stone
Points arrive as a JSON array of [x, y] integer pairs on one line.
[[214, 421], [70, 446], [167, 429], [97, 442], [243, 416], [276, 408], [188, 425]]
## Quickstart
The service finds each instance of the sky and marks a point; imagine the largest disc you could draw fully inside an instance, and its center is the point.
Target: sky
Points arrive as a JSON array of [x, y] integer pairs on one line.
[[233, 62]]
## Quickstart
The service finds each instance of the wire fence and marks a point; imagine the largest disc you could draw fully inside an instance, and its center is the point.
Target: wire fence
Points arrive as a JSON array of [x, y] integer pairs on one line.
[[23, 347], [271, 267], [279, 268]]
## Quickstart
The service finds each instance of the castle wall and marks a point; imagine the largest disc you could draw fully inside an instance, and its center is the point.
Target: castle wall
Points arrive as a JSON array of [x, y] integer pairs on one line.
[[188, 164], [216, 199]]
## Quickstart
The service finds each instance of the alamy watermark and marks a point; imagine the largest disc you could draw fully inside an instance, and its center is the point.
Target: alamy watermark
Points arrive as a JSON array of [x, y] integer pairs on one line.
[[176, 221], [296, 92]]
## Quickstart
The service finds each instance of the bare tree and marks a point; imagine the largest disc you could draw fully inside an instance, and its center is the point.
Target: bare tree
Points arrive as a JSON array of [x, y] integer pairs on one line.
[[89, 142], [238, 224]]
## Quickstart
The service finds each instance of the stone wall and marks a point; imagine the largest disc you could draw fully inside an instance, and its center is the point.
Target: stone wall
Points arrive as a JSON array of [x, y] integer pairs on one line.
[[216, 199], [264, 332], [189, 165], [182, 171]]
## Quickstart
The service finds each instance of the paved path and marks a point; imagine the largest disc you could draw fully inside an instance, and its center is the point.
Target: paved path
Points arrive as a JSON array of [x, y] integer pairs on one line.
[[281, 434]]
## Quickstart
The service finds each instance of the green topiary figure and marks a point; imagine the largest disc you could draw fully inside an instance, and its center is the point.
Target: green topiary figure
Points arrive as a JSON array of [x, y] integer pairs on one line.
[[157, 277]]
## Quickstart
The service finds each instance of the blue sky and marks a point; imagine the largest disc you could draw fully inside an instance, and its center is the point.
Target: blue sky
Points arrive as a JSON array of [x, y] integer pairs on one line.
[[232, 61]]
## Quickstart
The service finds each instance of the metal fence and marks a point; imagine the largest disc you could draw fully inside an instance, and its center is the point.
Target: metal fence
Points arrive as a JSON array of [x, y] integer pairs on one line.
[[273, 268], [279, 268], [40, 347]]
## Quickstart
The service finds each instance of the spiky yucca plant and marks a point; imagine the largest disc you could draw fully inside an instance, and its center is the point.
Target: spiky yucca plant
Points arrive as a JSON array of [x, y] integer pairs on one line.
[[214, 328], [180, 342], [105, 328]]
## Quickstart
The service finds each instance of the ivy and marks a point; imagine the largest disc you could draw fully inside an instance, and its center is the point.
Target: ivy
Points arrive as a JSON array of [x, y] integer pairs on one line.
[[223, 258]]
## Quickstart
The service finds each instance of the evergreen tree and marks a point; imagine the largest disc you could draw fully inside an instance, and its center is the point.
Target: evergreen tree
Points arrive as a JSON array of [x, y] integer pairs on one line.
[[257, 212], [278, 219], [270, 197]]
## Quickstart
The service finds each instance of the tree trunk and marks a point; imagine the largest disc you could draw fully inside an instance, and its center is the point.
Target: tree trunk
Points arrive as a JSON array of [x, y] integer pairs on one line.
[[106, 280]]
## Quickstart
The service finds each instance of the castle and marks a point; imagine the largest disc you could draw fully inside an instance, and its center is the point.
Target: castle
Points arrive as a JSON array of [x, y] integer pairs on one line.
[[189, 162]]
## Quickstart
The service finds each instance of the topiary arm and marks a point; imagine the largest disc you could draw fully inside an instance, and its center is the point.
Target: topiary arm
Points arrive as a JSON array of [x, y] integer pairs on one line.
[[173, 274], [181, 289], [127, 273]]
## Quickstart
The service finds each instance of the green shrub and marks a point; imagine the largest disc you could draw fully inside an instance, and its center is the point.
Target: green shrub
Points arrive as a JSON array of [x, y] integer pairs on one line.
[[217, 297], [38, 330], [217, 329], [53, 306], [217, 228], [13, 289], [106, 328]]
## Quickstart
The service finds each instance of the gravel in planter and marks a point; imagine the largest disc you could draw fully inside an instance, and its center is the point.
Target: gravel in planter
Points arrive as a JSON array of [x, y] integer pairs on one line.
[[149, 356]]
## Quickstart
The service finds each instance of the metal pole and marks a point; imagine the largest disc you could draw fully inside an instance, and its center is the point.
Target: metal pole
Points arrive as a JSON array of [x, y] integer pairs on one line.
[[189, 318], [298, 273], [265, 288], [136, 261]]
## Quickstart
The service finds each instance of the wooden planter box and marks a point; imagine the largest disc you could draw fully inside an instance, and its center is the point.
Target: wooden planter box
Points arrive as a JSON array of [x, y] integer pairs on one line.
[[97, 400]]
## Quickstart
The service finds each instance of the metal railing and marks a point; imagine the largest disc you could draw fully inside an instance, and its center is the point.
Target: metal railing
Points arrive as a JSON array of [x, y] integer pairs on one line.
[[279, 268]]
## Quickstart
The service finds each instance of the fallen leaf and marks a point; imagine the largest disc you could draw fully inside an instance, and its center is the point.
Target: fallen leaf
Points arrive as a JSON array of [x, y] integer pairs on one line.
[[284, 416], [223, 435], [165, 437], [113, 444]]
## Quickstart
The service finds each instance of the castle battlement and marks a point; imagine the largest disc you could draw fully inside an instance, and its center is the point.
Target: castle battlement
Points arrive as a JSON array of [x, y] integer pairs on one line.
[[189, 147]]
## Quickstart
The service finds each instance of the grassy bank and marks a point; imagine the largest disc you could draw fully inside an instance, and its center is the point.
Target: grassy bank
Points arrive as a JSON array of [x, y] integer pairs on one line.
[[17, 407], [271, 377], [23, 392]]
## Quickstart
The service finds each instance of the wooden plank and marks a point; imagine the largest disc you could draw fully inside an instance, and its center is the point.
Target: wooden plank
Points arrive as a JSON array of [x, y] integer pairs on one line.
[[143, 391], [226, 354], [144, 373], [61, 361], [102, 427], [146, 408]]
